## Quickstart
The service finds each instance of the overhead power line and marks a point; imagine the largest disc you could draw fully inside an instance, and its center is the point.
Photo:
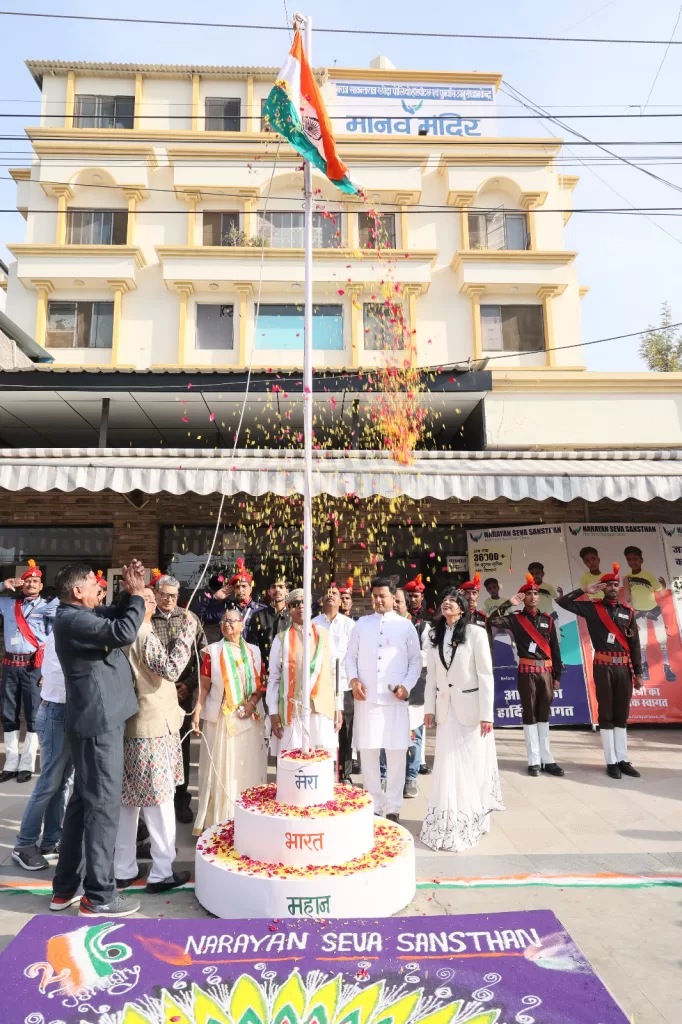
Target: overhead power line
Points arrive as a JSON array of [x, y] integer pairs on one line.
[[410, 34], [57, 109]]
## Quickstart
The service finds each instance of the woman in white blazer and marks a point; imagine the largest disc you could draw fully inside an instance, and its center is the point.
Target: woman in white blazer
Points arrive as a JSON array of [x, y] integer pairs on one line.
[[465, 785]]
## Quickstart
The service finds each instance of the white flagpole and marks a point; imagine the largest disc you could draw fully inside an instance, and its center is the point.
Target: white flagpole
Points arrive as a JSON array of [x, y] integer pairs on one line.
[[307, 426]]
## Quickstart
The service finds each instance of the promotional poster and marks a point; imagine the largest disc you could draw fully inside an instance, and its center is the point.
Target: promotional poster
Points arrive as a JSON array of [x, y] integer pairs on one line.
[[503, 557], [479, 969], [646, 586]]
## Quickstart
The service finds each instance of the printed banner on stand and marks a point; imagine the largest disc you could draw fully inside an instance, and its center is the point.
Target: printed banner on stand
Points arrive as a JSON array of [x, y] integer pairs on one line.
[[639, 550], [542, 551], [518, 966], [672, 546]]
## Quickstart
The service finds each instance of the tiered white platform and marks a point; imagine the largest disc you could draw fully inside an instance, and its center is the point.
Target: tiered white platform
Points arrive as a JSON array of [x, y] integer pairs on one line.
[[305, 848]]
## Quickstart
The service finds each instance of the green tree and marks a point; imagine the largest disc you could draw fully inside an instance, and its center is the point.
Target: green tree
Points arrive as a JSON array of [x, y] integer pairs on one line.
[[661, 347]]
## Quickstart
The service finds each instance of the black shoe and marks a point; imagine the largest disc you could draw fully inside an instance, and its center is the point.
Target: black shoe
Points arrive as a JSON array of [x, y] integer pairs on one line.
[[613, 771], [24, 776], [119, 906], [393, 817], [356, 768], [645, 672], [553, 769], [124, 883], [534, 770], [176, 879], [184, 814], [424, 769], [50, 853], [6, 776], [143, 851], [627, 769], [669, 674], [28, 858]]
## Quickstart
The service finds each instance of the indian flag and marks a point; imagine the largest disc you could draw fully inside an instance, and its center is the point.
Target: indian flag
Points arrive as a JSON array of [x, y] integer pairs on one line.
[[295, 109], [86, 960]]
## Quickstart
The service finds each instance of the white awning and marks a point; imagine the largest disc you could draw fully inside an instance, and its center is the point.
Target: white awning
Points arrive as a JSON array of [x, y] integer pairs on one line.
[[442, 475]]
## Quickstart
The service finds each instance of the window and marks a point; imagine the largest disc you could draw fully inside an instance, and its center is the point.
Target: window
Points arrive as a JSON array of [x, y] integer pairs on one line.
[[376, 233], [80, 324], [285, 230], [383, 329], [512, 329], [498, 231], [54, 547], [104, 112], [215, 326], [223, 115], [222, 229], [281, 327], [96, 227]]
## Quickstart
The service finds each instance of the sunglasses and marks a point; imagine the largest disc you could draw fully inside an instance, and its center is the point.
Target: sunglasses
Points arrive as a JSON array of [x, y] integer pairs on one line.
[[295, 604]]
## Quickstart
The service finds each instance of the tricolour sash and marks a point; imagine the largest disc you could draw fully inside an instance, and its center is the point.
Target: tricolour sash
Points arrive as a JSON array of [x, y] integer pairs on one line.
[[28, 634], [236, 691], [532, 632], [610, 625], [287, 687]]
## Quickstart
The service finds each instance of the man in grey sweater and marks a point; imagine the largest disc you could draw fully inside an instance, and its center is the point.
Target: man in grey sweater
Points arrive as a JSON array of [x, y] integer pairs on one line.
[[100, 697]]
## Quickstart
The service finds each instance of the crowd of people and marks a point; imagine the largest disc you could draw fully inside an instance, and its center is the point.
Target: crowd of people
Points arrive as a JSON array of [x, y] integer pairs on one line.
[[112, 693]]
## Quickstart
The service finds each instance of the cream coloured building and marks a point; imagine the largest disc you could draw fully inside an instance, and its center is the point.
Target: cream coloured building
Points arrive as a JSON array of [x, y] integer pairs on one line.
[[151, 187]]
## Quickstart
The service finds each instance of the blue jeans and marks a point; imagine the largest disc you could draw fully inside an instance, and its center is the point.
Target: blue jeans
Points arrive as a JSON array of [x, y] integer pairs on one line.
[[45, 809], [414, 753]]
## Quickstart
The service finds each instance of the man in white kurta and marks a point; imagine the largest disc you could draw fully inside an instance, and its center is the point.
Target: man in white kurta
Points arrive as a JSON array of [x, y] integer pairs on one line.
[[284, 694], [383, 663], [339, 628]]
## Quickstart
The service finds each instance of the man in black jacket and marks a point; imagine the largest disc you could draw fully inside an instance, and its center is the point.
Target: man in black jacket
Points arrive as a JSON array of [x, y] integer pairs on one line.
[[540, 668], [617, 663], [100, 697]]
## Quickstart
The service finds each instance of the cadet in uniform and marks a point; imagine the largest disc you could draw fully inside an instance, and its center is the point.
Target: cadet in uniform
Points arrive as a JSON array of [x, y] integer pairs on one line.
[[471, 589], [28, 620], [617, 658], [539, 673]]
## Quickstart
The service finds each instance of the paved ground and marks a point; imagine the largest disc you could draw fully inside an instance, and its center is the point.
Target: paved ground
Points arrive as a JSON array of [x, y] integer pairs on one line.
[[584, 823]]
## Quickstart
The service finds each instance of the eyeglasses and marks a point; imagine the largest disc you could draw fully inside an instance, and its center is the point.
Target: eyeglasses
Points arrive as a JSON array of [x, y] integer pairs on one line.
[[295, 604], [231, 622]]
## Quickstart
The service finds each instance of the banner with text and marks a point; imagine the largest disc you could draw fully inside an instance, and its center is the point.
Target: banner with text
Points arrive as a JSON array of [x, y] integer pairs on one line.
[[503, 557], [672, 546], [389, 107], [639, 550], [478, 968]]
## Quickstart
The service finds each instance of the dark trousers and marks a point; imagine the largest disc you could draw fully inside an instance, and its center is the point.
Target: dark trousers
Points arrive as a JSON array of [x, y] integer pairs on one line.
[[183, 798], [613, 685], [346, 736], [91, 822], [536, 690], [20, 687]]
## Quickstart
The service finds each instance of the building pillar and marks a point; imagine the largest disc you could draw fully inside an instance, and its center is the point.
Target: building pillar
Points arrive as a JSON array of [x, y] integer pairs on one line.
[[138, 101], [352, 233], [192, 199], [249, 123], [133, 195], [197, 123], [119, 288], [70, 99], [403, 200], [411, 291], [184, 290], [354, 293], [474, 291], [530, 202], [547, 293], [63, 194], [463, 200], [244, 289], [44, 288], [248, 218]]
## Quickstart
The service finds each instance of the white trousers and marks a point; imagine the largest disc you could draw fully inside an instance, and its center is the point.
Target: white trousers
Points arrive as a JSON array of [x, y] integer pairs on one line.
[[160, 820], [607, 742], [27, 762], [659, 632], [391, 801]]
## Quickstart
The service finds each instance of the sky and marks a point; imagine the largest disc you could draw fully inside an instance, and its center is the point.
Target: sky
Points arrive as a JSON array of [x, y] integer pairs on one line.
[[631, 264]]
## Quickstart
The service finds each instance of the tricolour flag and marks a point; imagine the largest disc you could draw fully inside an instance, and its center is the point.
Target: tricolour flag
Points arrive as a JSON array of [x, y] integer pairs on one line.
[[296, 110]]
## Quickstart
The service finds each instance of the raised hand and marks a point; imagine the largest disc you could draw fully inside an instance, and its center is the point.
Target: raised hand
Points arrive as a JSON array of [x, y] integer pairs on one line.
[[516, 600], [595, 588]]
